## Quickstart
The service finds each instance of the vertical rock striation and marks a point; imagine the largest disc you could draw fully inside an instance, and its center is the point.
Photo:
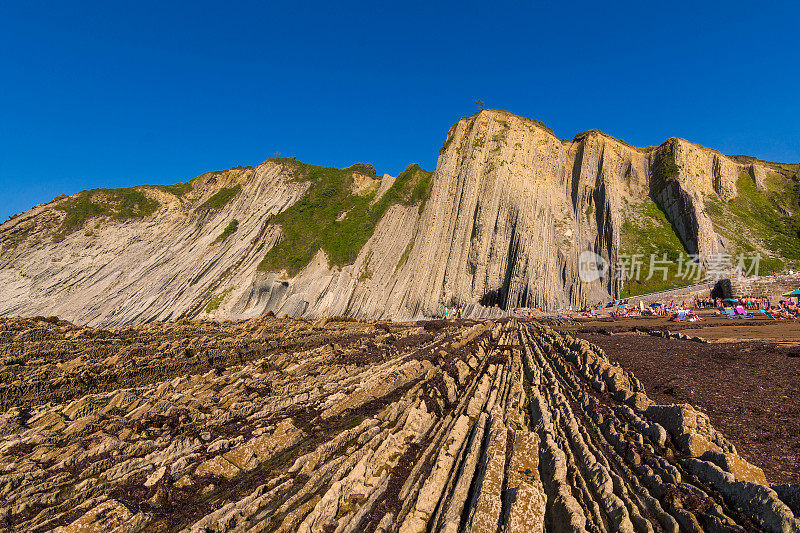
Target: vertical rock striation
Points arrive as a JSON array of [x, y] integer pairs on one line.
[[510, 210]]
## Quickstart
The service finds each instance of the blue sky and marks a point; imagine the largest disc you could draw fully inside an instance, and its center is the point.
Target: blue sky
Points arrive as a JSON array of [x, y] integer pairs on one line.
[[111, 94]]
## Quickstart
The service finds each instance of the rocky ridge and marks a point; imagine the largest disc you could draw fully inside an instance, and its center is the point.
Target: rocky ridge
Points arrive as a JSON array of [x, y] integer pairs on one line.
[[444, 426], [507, 214]]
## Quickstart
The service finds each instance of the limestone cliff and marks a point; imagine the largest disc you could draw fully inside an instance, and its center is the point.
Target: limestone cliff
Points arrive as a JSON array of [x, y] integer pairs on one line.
[[501, 223]]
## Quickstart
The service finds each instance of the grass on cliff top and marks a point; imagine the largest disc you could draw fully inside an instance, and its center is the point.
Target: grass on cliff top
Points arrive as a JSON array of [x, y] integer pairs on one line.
[[647, 231], [311, 224], [177, 189], [126, 203], [118, 204], [221, 197], [753, 222], [215, 173]]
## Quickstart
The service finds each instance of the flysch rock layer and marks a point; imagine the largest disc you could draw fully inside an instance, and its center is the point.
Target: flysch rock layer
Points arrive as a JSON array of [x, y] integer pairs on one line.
[[355, 427], [511, 210]]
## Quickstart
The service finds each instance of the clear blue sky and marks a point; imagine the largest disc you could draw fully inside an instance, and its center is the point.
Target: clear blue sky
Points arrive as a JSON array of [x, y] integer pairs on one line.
[[110, 94]]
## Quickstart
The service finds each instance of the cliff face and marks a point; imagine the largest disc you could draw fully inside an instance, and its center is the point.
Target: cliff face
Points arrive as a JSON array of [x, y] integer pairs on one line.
[[514, 207], [502, 223], [159, 267]]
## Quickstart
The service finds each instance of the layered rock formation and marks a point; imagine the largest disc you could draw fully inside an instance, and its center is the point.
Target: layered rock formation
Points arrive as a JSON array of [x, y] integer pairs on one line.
[[507, 215], [354, 426]]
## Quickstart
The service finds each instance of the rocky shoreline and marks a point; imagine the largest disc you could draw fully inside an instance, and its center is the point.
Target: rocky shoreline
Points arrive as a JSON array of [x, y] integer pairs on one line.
[[290, 425]]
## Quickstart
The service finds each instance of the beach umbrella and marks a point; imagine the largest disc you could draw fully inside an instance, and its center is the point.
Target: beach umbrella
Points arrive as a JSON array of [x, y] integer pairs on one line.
[[792, 293], [730, 300], [623, 305], [655, 305]]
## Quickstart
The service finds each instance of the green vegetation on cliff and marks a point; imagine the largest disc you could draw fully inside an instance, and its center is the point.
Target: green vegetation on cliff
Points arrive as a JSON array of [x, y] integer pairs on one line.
[[765, 221], [178, 189], [647, 232], [118, 204], [18, 236], [421, 189], [221, 197], [665, 169], [331, 217], [232, 226], [215, 301], [405, 254]]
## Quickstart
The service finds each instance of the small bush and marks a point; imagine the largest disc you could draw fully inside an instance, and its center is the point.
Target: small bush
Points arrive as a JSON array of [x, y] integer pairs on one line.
[[233, 225], [363, 168], [215, 301]]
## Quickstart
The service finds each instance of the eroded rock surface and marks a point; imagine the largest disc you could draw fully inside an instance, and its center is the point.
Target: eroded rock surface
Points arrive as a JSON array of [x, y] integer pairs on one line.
[[283, 425], [509, 211]]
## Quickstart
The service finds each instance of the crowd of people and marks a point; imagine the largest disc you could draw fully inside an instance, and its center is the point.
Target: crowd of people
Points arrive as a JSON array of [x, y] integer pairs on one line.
[[749, 302], [681, 311], [670, 309], [706, 303], [754, 304], [741, 307], [454, 312], [784, 309]]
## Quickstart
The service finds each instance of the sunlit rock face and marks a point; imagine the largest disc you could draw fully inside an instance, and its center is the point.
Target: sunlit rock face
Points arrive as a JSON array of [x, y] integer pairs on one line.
[[510, 212]]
